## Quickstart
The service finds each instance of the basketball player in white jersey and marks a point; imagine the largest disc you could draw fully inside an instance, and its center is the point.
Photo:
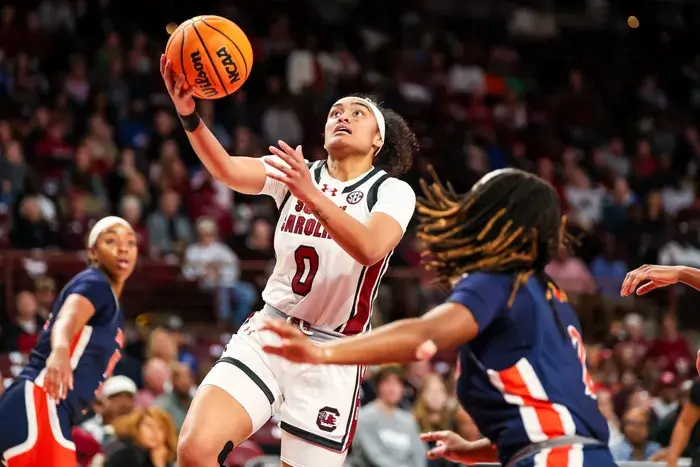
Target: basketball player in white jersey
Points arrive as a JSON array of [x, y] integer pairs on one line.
[[340, 220]]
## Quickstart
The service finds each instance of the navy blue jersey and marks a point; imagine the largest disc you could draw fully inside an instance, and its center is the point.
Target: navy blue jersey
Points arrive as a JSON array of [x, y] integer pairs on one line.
[[523, 379], [95, 350]]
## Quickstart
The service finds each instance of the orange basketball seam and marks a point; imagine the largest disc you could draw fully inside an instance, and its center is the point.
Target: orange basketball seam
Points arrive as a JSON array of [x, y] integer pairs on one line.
[[211, 61], [182, 58], [245, 62]]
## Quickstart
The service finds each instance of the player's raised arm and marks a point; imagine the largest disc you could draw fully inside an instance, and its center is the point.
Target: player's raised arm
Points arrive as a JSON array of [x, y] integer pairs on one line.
[[649, 277], [242, 174], [72, 317]]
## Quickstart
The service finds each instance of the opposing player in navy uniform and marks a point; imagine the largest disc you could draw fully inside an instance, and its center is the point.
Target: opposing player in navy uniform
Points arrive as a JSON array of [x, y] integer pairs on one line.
[[76, 352], [523, 365]]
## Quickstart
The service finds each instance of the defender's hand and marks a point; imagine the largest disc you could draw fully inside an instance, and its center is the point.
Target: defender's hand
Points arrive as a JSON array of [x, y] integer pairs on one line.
[[454, 448], [649, 277], [59, 375], [183, 100], [295, 345]]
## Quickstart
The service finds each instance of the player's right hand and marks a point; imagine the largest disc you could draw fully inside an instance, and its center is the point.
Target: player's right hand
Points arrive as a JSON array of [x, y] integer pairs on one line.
[[646, 278], [183, 100], [295, 346], [59, 374]]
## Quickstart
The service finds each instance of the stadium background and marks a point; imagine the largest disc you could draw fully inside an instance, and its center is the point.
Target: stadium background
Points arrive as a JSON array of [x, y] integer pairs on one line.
[[567, 89]]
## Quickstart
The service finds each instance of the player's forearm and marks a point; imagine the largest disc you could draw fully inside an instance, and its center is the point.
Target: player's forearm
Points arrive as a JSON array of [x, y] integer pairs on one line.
[[690, 276], [243, 174], [63, 333], [396, 343], [479, 451], [679, 440], [352, 235]]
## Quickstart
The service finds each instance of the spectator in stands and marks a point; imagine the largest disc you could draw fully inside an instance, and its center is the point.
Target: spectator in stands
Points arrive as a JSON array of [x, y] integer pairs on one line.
[[608, 269], [216, 267], [45, 293], [386, 435], [116, 400], [81, 178], [257, 245], [31, 229], [634, 337], [435, 410], [415, 374], [615, 207], [13, 168], [146, 438], [636, 445], [168, 230], [157, 377], [671, 352], [606, 408], [681, 249], [22, 333], [571, 273], [76, 225], [666, 400], [177, 402], [162, 345], [130, 209], [87, 449]]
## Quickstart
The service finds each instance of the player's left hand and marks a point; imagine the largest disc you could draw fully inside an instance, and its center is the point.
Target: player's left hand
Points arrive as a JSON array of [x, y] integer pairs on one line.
[[295, 345], [59, 375], [294, 173], [454, 448]]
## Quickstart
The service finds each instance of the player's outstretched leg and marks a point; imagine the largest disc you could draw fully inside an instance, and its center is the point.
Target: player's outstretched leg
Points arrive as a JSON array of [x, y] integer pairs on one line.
[[214, 418], [236, 398]]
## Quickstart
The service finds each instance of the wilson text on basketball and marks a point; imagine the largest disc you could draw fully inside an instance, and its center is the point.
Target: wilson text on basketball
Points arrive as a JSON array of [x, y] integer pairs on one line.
[[202, 80]]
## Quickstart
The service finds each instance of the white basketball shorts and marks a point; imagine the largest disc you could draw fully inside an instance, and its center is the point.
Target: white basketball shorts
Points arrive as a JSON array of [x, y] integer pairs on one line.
[[318, 404]]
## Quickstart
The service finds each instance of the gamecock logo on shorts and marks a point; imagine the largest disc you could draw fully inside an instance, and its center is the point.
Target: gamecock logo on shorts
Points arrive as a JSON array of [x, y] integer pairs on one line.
[[327, 419], [355, 197]]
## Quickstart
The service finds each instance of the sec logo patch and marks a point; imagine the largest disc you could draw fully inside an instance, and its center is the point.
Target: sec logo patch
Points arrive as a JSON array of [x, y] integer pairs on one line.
[[355, 197]]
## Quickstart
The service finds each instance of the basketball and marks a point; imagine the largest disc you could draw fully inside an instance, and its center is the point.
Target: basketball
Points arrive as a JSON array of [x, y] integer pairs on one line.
[[214, 54]]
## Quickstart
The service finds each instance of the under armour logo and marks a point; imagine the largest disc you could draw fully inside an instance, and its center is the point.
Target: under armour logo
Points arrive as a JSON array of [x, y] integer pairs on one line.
[[332, 191]]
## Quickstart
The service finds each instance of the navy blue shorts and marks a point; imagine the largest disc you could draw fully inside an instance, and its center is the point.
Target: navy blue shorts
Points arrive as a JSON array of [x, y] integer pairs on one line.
[[570, 456], [33, 430]]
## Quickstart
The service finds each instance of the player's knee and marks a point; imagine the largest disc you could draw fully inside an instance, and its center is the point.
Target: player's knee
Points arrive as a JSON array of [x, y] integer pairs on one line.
[[191, 453]]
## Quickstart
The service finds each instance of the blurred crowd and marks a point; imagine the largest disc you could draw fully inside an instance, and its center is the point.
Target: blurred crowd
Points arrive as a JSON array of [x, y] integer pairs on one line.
[[607, 114]]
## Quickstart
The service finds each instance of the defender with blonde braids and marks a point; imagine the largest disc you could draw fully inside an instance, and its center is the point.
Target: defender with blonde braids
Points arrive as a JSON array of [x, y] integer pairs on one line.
[[523, 365]]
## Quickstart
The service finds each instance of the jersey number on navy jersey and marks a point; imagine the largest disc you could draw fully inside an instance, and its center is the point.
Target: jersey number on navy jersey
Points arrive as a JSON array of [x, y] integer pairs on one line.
[[577, 341], [306, 258]]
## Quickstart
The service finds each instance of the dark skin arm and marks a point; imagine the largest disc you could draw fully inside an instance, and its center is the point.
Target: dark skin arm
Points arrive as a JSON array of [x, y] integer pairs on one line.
[[444, 327], [72, 317], [456, 449], [690, 414], [650, 277]]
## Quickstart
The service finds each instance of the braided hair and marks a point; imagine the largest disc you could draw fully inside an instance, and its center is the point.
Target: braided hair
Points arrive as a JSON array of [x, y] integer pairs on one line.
[[510, 221]]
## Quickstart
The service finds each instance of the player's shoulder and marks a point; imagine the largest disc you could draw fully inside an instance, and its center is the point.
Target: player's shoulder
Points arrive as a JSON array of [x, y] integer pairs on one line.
[[394, 190], [395, 185], [479, 280], [91, 283], [90, 275]]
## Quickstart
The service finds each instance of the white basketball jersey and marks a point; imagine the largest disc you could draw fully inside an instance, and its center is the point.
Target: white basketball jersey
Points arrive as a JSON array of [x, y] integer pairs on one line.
[[314, 278]]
